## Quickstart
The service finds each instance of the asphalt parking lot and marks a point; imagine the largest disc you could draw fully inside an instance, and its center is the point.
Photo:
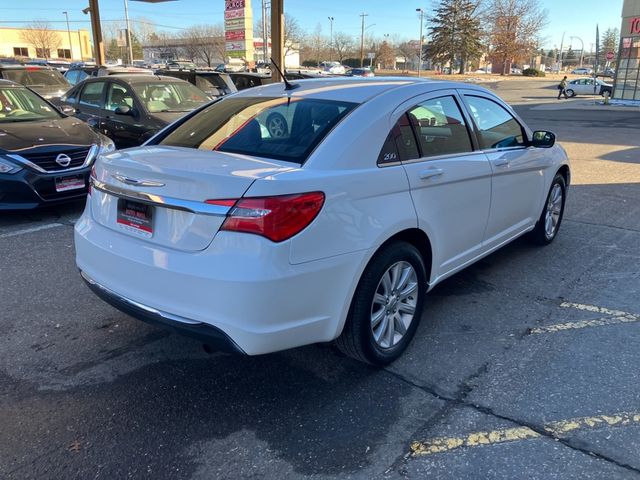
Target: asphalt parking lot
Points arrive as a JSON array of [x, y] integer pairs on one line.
[[525, 365]]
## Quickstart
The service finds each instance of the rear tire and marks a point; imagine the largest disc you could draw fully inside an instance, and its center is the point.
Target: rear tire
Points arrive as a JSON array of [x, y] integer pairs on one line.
[[571, 93], [546, 229], [386, 307]]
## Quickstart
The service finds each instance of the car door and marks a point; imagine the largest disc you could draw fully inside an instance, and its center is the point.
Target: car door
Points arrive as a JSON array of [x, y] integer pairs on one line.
[[517, 170], [125, 130], [91, 102], [450, 182]]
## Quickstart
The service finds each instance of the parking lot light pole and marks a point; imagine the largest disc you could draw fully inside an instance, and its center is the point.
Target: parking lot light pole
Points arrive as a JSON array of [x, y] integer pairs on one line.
[[66, 14], [331, 19], [420, 48], [362, 15]]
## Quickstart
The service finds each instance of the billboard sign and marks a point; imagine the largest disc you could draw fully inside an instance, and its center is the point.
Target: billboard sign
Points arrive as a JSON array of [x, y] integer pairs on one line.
[[234, 24], [238, 29], [234, 4], [231, 35]]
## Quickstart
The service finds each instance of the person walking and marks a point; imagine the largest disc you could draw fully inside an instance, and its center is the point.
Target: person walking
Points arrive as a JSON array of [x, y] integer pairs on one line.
[[562, 88]]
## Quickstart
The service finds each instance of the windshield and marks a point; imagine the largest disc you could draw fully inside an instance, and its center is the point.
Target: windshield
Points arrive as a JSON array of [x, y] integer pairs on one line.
[[36, 77], [20, 105], [169, 96], [280, 128]]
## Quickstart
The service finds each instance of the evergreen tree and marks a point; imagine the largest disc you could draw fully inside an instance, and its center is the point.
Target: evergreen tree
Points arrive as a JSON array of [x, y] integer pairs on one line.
[[455, 33]]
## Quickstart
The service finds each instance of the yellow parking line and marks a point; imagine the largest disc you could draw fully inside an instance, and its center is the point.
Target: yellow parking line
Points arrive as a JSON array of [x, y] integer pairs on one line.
[[598, 322], [595, 309], [554, 429]]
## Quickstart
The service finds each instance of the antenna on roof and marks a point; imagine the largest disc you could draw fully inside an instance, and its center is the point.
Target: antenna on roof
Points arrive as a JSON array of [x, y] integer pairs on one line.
[[287, 85]]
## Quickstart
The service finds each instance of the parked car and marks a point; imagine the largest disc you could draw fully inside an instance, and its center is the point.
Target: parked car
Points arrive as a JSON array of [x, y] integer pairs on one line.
[[381, 189], [129, 109], [45, 156], [244, 80], [77, 74], [333, 68], [46, 81], [582, 71], [60, 65], [360, 72], [180, 64], [585, 86], [214, 84]]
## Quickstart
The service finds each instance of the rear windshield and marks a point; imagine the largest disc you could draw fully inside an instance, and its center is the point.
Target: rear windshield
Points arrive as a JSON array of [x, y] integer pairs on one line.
[[163, 96], [280, 128], [36, 78]]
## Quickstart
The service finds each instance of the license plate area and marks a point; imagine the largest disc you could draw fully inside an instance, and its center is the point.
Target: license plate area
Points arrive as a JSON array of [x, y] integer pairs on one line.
[[72, 182], [135, 217]]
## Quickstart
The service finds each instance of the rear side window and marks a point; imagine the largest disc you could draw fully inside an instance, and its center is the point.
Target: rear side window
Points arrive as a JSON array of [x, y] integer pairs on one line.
[[279, 128], [92, 94], [400, 144], [496, 126], [440, 127]]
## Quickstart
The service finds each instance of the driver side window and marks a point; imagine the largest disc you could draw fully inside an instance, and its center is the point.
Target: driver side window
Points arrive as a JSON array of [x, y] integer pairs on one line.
[[497, 128], [118, 96]]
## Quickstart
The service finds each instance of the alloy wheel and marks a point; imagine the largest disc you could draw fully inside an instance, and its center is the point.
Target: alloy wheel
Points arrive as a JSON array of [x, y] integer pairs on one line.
[[553, 211], [394, 304]]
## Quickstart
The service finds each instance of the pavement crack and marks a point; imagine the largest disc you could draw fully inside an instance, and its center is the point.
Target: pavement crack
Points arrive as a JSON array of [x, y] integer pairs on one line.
[[460, 400], [605, 225]]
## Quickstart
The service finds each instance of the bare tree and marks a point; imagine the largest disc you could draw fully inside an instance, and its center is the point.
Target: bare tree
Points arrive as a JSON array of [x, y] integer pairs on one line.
[[204, 43], [408, 50], [293, 33], [343, 45], [516, 27], [40, 36], [386, 55], [316, 43]]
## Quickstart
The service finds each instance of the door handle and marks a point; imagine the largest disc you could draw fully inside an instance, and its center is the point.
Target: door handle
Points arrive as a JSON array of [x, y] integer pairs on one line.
[[432, 172], [501, 162]]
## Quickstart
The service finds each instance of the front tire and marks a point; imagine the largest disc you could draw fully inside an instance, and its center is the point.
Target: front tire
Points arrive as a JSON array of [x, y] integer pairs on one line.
[[550, 219], [571, 93], [386, 307]]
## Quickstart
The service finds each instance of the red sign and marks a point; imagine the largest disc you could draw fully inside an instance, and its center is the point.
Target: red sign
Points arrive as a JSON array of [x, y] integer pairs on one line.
[[233, 4], [634, 25], [232, 35], [610, 55], [229, 14]]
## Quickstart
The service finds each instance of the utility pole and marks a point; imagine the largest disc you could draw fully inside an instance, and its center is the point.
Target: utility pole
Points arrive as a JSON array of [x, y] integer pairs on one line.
[[96, 29], [277, 37], [330, 38], [265, 37], [420, 48], [362, 15], [561, 47], [69, 33], [126, 19]]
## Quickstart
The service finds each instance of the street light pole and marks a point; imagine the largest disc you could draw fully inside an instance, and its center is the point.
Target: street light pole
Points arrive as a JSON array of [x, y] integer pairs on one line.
[[126, 19], [420, 49], [331, 19], [362, 15], [582, 50], [69, 33]]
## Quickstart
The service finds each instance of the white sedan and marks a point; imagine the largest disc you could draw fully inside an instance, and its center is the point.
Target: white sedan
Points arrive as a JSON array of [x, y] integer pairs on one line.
[[585, 86], [335, 230]]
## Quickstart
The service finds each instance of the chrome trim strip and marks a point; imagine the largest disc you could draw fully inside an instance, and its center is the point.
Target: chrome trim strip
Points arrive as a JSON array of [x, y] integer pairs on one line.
[[87, 161], [146, 308], [136, 182], [162, 201]]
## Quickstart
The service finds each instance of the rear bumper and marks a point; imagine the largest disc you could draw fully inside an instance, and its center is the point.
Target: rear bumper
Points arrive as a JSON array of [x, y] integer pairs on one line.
[[241, 289], [201, 331]]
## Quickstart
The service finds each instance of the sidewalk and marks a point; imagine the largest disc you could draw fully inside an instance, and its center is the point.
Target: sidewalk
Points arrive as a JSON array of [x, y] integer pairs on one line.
[[576, 104]]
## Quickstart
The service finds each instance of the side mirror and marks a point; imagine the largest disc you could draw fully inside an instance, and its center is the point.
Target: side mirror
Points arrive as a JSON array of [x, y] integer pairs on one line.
[[543, 139], [124, 110], [67, 109]]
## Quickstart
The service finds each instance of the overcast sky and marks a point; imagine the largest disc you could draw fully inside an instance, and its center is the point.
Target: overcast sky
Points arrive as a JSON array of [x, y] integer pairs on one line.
[[396, 17]]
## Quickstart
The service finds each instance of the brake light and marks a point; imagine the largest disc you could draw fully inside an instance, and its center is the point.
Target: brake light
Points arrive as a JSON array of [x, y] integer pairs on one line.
[[277, 218]]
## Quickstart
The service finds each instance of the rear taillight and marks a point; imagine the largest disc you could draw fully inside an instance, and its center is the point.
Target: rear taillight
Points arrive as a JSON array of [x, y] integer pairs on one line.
[[276, 218]]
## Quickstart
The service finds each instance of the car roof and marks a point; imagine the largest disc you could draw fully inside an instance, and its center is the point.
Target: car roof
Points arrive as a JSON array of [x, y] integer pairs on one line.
[[4, 66], [353, 89], [136, 78]]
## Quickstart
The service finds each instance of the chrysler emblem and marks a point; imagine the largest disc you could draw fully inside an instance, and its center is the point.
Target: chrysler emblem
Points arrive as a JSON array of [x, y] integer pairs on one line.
[[63, 160]]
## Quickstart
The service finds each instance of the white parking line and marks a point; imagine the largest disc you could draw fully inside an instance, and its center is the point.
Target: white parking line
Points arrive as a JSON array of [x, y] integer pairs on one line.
[[30, 230]]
